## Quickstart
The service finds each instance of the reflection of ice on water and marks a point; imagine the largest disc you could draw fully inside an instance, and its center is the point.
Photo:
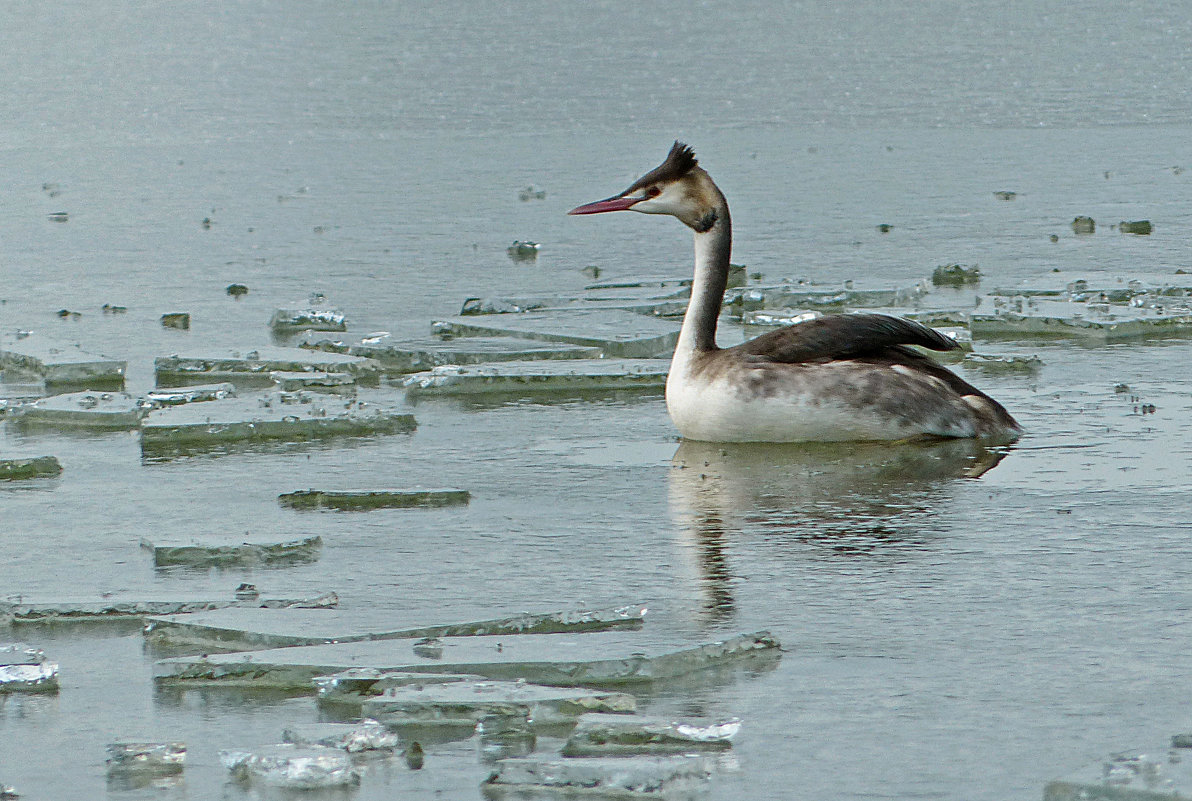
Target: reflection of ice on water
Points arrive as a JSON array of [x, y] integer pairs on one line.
[[849, 495]]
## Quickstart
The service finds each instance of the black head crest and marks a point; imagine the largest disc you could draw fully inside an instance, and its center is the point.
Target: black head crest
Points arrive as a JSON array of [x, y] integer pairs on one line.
[[679, 161]]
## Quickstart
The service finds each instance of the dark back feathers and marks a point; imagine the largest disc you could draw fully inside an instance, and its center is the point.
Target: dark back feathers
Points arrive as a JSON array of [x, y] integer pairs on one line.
[[843, 336]]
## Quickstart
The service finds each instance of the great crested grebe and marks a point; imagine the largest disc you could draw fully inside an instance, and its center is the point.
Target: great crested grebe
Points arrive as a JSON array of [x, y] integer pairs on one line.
[[841, 377]]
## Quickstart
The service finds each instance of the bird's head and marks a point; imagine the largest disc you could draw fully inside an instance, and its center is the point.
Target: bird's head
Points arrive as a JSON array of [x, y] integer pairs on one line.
[[678, 187]]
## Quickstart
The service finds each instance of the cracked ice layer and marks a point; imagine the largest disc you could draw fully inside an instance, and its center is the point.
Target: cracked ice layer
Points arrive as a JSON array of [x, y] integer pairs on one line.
[[1128, 776], [304, 767], [618, 333], [580, 375], [176, 396], [613, 777], [607, 735], [466, 702], [147, 756], [366, 735]]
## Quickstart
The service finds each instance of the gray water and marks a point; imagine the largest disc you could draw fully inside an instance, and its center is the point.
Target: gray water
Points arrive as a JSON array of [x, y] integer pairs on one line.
[[947, 637]]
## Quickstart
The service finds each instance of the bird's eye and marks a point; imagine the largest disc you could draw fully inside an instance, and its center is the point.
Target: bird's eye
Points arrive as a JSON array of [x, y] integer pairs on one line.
[[653, 191]]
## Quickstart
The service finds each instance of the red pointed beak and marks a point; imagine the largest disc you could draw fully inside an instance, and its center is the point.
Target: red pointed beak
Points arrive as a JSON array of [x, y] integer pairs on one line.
[[618, 203]]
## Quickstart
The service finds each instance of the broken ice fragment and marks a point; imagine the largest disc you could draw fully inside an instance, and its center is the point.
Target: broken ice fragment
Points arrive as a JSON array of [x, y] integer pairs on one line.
[[285, 417], [176, 396], [37, 467], [578, 375], [161, 758], [313, 319], [1084, 225], [236, 290], [246, 628], [598, 777], [466, 702], [59, 363], [176, 320], [24, 669], [956, 275], [365, 735], [1128, 776], [304, 767], [411, 357], [362, 500], [286, 381], [1138, 227], [602, 659], [523, 251], [258, 363], [999, 365], [531, 193], [617, 333], [106, 609], [609, 735], [110, 410], [214, 551], [1090, 322]]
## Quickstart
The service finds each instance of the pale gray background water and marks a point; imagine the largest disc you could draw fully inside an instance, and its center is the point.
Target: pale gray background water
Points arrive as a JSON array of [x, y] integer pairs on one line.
[[946, 638]]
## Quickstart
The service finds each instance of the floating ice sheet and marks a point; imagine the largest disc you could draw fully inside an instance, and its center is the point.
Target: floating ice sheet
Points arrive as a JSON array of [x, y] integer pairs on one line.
[[246, 629], [616, 332], [364, 735], [216, 551], [588, 375], [301, 767], [598, 659], [58, 362], [1090, 322], [147, 757], [1129, 776], [277, 416], [466, 702], [598, 777], [257, 363], [36, 467], [91, 409], [612, 735], [363, 500], [95, 610], [24, 669]]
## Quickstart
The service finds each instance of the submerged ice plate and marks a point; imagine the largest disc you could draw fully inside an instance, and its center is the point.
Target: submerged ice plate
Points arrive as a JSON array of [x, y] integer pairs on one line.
[[617, 333]]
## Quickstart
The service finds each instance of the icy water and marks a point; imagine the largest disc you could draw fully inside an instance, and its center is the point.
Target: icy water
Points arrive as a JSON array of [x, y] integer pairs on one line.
[[946, 636]]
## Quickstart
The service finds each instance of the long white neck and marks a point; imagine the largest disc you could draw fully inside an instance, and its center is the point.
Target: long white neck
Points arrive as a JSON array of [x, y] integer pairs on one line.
[[713, 249]]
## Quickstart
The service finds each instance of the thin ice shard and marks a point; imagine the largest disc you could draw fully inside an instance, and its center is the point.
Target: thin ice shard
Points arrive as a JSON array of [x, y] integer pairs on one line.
[[536, 377]]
